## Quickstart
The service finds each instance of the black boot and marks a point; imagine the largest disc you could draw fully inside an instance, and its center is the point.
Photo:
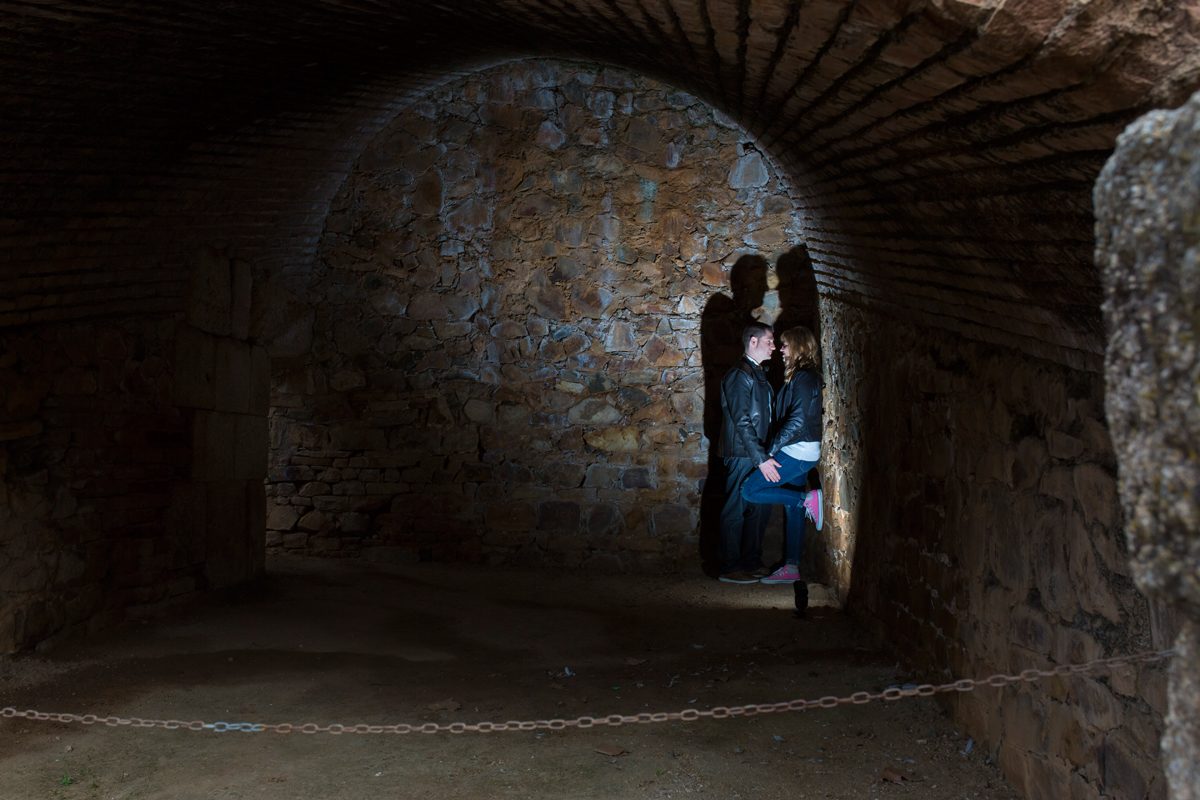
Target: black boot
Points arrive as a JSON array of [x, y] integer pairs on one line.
[[800, 587]]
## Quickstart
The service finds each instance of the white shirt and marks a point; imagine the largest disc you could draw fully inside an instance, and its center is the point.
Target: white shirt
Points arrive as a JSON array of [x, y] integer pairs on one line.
[[803, 451]]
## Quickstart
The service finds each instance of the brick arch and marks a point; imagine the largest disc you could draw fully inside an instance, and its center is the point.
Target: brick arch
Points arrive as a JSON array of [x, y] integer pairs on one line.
[[917, 134]]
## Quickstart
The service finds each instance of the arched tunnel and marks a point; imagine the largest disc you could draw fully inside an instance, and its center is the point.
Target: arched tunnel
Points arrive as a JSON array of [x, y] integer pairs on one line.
[[411, 283]]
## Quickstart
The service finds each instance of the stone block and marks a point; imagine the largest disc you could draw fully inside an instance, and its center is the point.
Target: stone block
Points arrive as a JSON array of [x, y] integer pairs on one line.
[[1092, 588], [333, 503], [186, 519], [620, 338], [565, 543], [252, 444], [1029, 463], [209, 299], [1062, 446], [637, 478], [353, 522], [195, 376], [260, 381], [601, 476], [233, 376], [641, 135], [214, 445], [1029, 628], [1101, 710], [295, 541], [593, 411], [282, 518], [672, 518], [511, 517], [357, 437], [605, 520], [549, 303], [749, 172], [316, 521], [19, 430], [557, 515], [1097, 492], [256, 525], [241, 285], [1024, 721], [614, 439], [689, 406], [1058, 482], [229, 552], [480, 412], [1122, 773], [280, 321], [1152, 687], [1073, 646]]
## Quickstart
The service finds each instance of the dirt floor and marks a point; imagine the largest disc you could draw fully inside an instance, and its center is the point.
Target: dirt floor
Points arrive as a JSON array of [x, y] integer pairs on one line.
[[347, 642]]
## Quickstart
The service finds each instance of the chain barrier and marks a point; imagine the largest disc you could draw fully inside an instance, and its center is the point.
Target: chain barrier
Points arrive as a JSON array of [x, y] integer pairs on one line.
[[687, 715]]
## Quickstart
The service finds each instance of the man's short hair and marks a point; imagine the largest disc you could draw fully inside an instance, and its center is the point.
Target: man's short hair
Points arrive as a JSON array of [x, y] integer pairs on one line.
[[754, 330]]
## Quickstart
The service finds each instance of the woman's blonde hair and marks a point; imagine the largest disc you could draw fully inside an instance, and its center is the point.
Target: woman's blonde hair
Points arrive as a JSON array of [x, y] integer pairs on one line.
[[803, 350]]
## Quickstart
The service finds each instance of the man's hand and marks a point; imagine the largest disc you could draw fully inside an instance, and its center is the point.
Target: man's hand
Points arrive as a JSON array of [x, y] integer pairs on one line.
[[770, 470]]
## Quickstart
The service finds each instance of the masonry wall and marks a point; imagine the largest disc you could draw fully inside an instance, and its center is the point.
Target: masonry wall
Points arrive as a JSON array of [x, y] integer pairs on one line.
[[977, 491], [132, 459], [521, 306], [90, 452]]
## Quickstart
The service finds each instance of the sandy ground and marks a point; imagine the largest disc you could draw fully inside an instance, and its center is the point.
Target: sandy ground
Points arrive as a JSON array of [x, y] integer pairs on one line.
[[336, 641]]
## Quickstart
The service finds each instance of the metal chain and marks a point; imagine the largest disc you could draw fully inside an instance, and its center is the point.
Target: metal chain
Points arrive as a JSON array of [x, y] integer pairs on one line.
[[687, 715]]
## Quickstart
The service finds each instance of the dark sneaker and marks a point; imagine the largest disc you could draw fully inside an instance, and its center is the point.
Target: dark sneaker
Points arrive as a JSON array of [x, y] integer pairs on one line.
[[738, 577], [761, 572]]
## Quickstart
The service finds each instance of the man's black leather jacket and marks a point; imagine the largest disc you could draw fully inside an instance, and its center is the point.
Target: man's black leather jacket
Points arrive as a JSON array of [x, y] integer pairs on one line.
[[746, 407], [797, 411]]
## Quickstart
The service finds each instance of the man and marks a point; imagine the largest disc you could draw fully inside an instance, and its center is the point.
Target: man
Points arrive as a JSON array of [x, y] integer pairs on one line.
[[746, 417]]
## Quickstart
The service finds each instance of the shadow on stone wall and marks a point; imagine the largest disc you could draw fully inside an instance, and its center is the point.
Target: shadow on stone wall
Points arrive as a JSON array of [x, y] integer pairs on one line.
[[721, 346]]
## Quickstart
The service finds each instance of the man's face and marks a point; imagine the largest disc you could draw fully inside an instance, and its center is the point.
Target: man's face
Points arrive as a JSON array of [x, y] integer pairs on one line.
[[761, 347]]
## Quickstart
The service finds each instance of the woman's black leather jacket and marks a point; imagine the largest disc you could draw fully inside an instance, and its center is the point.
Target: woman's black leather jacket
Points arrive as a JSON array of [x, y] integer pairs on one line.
[[797, 415]]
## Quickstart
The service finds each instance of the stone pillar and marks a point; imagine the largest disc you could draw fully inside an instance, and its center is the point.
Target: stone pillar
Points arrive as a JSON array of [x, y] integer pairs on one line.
[[222, 382], [1148, 249]]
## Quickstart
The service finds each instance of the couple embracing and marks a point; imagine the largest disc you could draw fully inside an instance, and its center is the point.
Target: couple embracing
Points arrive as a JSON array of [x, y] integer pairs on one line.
[[769, 444]]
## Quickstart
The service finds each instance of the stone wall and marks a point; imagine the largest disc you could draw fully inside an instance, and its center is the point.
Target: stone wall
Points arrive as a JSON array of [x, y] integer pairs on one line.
[[132, 459], [973, 492], [91, 450], [521, 294]]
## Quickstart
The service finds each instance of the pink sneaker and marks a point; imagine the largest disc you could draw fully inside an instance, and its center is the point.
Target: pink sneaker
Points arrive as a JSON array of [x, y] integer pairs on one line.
[[814, 507], [785, 574]]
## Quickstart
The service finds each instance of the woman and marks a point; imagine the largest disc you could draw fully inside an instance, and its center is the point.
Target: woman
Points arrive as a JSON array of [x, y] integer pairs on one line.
[[794, 449]]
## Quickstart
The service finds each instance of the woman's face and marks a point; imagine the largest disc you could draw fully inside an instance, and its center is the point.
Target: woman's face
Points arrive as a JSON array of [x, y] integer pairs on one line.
[[783, 351]]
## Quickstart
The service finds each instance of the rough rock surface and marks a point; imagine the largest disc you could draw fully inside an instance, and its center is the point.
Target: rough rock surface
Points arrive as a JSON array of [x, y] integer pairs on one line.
[[978, 530], [1148, 246]]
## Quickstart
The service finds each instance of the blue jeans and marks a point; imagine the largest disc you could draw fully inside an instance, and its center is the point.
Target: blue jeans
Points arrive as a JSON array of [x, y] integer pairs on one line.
[[757, 489]]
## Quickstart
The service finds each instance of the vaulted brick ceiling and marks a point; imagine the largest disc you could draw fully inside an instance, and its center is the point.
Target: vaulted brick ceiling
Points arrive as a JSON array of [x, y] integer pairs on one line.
[[943, 151]]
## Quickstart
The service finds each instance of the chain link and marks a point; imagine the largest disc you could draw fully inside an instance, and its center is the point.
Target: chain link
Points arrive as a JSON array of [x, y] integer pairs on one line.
[[687, 715]]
